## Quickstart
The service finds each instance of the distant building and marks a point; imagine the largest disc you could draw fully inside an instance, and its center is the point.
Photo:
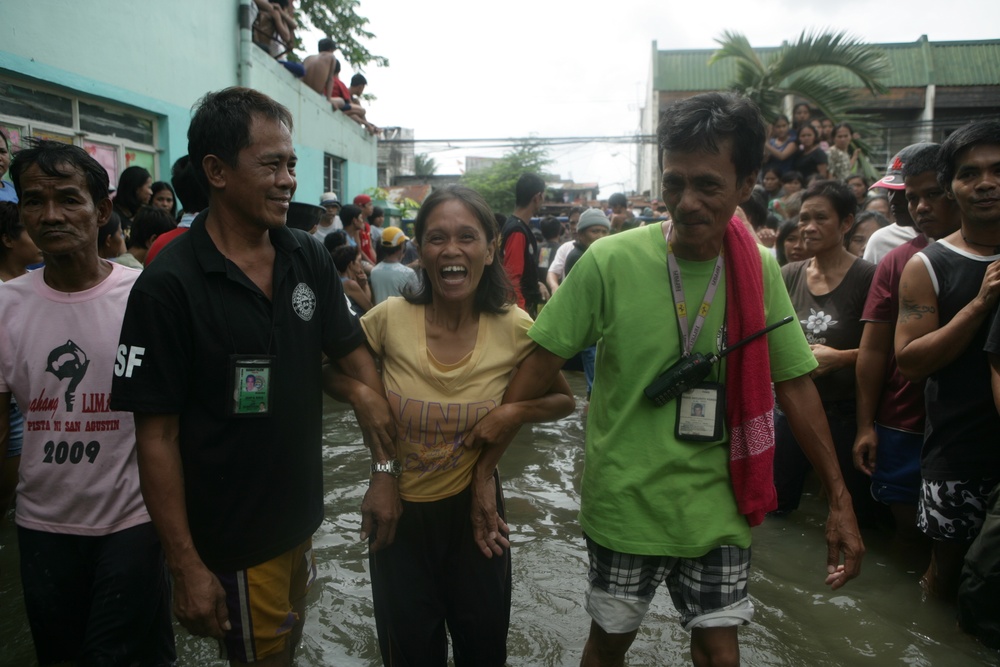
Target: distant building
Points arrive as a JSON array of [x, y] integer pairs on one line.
[[474, 163], [395, 159], [120, 78], [436, 181], [934, 88], [570, 192]]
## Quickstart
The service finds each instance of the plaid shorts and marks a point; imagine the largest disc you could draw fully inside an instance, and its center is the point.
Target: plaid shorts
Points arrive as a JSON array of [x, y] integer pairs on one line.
[[954, 510], [708, 591]]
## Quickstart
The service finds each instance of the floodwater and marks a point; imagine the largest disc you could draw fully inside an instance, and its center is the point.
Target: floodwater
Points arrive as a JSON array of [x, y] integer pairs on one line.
[[879, 619]]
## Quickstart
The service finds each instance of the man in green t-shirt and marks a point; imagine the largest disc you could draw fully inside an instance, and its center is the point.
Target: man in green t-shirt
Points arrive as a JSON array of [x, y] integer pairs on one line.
[[669, 493]]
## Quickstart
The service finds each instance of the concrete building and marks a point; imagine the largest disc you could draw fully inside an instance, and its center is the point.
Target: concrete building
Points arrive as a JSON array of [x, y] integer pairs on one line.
[[120, 78], [395, 159], [934, 88]]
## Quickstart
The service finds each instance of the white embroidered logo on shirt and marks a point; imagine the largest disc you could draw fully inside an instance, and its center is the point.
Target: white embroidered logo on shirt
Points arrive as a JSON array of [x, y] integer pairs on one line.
[[818, 322], [303, 301]]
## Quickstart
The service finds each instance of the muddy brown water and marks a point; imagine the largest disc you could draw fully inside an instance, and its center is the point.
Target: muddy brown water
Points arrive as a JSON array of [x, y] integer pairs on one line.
[[879, 619]]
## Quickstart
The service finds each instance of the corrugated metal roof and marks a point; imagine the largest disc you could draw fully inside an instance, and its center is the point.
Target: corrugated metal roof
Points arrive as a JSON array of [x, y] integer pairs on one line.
[[966, 63], [914, 64]]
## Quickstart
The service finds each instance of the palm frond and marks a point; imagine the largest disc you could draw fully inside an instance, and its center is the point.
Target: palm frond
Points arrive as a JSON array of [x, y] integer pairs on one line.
[[822, 90], [736, 45], [821, 67], [839, 51]]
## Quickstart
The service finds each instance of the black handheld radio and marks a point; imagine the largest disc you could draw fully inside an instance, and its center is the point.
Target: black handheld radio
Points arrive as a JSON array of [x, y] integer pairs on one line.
[[692, 369]]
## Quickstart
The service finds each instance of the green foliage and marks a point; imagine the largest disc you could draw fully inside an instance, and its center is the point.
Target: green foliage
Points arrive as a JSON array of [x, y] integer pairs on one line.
[[377, 193], [407, 206], [339, 20], [811, 68], [497, 183], [424, 165]]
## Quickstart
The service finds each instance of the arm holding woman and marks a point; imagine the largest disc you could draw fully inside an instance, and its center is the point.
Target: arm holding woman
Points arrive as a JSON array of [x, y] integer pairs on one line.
[[353, 379], [493, 433]]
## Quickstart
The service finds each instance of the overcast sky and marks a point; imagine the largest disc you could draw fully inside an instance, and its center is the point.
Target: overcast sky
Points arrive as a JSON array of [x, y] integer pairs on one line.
[[461, 68]]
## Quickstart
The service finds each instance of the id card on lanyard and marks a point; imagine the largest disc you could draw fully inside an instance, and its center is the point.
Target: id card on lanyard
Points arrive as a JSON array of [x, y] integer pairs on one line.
[[250, 382], [700, 410], [250, 376]]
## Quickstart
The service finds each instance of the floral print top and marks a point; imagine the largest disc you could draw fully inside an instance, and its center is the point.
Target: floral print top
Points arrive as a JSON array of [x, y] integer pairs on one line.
[[832, 319]]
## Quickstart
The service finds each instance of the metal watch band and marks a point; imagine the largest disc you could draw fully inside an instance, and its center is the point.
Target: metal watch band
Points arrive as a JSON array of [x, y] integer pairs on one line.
[[391, 467]]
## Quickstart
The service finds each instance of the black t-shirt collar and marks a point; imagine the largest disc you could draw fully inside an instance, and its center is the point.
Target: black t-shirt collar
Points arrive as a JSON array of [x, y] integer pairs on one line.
[[213, 261]]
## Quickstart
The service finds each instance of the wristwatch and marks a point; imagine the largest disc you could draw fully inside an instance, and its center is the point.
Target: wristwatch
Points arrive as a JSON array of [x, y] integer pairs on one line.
[[392, 467]]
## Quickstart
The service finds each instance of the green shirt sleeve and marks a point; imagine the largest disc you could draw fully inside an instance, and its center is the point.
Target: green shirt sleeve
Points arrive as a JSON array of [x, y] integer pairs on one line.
[[573, 318]]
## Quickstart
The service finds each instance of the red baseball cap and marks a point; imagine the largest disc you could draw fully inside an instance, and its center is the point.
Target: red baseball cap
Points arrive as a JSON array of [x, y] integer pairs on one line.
[[362, 200]]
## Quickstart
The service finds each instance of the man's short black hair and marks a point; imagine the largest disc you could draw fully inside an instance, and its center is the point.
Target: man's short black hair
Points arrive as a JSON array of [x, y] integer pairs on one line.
[[923, 159], [975, 133], [52, 157], [343, 255], [703, 122], [187, 186], [221, 125], [551, 227], [149, 222], [349, 213], [327, 44], [358, 80], [334, 240], [617, 199], [528, 186]]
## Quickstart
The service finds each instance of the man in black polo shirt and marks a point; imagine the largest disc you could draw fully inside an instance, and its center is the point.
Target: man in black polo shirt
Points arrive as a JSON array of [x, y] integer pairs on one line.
[[232, 471]]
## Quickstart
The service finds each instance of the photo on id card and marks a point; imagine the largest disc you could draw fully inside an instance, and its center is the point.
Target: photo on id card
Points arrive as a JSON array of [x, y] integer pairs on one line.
[[700, 412]]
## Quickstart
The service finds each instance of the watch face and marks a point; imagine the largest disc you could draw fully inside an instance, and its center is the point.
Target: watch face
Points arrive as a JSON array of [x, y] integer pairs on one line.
[[392, 467]]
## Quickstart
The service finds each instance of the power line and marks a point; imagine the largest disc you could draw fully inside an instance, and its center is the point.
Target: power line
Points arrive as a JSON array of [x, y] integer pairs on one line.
[[549, 141]]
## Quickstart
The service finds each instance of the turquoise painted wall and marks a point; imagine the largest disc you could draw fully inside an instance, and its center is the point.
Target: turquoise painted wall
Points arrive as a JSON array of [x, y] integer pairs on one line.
[[318, 130], [160, 58]]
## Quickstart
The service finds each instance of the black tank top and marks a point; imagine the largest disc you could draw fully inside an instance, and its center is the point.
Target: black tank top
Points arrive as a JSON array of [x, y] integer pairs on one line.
[[962, 434]]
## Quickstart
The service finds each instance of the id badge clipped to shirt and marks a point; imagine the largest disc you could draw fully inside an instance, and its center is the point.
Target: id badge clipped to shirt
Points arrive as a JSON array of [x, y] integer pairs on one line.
[[250, 384], [700, 412]]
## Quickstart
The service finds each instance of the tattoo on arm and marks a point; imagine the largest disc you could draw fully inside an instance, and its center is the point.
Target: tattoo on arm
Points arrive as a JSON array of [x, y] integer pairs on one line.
[[912, 310]]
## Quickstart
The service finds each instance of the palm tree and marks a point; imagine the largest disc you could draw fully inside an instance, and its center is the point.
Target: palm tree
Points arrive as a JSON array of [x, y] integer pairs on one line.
[[822, 68], [812, 68], [424, 165]]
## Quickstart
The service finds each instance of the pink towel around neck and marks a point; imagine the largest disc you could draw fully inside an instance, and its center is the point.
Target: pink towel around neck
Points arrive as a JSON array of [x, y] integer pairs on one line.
[[749, 399]]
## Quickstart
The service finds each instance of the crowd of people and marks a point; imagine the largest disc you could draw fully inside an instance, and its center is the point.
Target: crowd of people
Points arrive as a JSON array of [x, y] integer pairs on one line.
[[163, 426], [321, 72], [273, 27]]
